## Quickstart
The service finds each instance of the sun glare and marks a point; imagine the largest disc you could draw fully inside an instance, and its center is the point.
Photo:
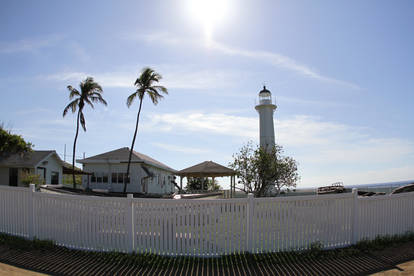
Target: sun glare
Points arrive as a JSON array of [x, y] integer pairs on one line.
[[210, 13]]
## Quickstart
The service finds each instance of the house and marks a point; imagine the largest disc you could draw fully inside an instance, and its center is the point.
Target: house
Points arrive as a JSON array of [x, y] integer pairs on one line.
[[45, 163], [108, 172]]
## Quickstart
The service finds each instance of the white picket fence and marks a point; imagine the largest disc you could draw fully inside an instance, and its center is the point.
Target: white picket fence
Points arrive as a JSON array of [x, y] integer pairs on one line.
[[202, 227]]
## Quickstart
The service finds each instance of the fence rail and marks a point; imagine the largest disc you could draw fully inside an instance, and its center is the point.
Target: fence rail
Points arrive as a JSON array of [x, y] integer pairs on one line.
[[202, 227]]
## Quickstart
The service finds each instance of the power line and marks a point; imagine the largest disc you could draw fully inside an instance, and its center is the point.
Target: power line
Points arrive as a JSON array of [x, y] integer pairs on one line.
[[68, 155]]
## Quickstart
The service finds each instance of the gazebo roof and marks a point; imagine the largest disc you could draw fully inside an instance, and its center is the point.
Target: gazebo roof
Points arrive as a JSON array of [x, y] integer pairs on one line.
[[206, 169]]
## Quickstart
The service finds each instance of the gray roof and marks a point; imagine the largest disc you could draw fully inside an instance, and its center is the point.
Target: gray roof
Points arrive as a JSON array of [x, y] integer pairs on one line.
[[69, 166], [121, 155], [206, 169], [25, 160]]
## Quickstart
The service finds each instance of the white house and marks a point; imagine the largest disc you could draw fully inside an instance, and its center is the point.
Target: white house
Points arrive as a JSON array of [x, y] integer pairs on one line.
[[45, 163], [147, 175]]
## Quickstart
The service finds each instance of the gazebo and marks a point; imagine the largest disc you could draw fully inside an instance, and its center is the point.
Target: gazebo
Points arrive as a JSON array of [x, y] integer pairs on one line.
[[67, 171], [209, 169]]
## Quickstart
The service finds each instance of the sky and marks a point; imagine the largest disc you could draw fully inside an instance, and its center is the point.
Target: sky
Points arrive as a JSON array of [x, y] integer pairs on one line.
[[340, 73]]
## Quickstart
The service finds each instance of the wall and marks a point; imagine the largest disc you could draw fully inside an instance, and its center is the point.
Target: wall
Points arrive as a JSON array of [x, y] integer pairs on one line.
[[4, 176], [155, 185], [52, 165]]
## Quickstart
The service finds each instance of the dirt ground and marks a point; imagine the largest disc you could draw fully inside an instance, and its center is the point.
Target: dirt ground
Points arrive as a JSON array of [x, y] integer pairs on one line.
[[15, 271], [406, 268]]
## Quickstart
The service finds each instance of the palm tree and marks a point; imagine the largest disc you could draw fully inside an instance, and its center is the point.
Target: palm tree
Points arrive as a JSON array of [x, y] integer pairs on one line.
[[145, 85], [90, 92]]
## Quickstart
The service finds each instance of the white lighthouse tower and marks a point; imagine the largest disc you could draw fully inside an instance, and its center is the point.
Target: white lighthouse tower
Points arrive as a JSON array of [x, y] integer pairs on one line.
[[266, 108]]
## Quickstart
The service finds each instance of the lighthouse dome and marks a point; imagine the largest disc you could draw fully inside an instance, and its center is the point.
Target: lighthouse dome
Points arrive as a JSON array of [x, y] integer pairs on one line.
[[264, 90], [265, 97]]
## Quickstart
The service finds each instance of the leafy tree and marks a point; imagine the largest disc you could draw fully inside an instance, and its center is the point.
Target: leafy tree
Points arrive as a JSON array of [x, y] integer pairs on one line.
[[264, 172], [90, 92], [213, 185], [12, 143], [197, 184], [145, 85], [29, 177]]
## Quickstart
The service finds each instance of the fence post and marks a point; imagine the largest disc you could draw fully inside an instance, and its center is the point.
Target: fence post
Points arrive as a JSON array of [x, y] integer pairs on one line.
[[249, 223], [31, 211], [130, 223], [354, 238]]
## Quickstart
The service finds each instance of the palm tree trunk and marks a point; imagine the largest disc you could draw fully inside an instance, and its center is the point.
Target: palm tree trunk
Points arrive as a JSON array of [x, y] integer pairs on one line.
[[132, 146], [74, 150]]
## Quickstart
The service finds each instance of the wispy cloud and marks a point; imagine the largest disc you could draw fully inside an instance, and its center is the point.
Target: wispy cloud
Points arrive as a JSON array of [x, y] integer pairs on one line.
[[279, 60], [175, 77], [181, 149], [78, 51], [275, 59], [216, 123], [106, 79], [319, 142], [29, 45]]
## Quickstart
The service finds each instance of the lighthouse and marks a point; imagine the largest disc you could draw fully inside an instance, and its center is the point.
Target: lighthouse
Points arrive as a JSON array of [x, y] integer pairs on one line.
[[266, 108]]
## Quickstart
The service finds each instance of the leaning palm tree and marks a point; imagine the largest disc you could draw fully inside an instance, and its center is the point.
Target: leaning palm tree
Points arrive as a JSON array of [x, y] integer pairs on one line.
[[145, 85], [90, 92]]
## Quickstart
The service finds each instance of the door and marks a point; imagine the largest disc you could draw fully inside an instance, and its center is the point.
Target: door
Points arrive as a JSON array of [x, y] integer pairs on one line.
[[13, 172], [54, 179]]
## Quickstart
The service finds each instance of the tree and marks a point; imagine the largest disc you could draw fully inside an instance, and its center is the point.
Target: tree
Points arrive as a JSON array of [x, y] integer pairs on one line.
[[145, 85], [196, 184], [264, 172], [90, 92], [12, 143]]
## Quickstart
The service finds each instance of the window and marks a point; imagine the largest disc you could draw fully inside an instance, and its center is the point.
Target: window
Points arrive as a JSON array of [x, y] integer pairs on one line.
[[120, 178], [54, 178], [99, 177]]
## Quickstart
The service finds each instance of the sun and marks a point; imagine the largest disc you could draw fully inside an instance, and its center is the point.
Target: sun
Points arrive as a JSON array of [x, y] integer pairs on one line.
[[210, 13]]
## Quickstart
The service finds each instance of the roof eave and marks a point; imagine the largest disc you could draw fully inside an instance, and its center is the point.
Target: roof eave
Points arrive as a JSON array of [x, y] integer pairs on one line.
[[101, 161]]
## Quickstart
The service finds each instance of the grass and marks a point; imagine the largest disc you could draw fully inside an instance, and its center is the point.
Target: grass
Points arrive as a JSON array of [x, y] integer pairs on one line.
[[316, 251]]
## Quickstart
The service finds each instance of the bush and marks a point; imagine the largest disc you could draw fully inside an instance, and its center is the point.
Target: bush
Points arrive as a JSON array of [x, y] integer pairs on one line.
[[29, 178]]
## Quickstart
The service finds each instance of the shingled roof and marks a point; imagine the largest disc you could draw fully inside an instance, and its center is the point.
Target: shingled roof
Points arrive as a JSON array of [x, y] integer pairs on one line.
[[207, 169], [121, 156], [25, 160]]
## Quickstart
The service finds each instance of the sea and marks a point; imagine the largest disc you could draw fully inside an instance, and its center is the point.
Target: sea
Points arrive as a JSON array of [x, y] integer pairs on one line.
[[386, 187]]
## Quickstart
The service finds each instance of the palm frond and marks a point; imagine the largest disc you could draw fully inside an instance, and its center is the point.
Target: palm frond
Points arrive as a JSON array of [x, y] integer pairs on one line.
[[88, 86], [73, 92], [72, 105], [138, 82], [98, 99], [88, 101], [161, 88], [154, 95], [131, 98], [145, 84]]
